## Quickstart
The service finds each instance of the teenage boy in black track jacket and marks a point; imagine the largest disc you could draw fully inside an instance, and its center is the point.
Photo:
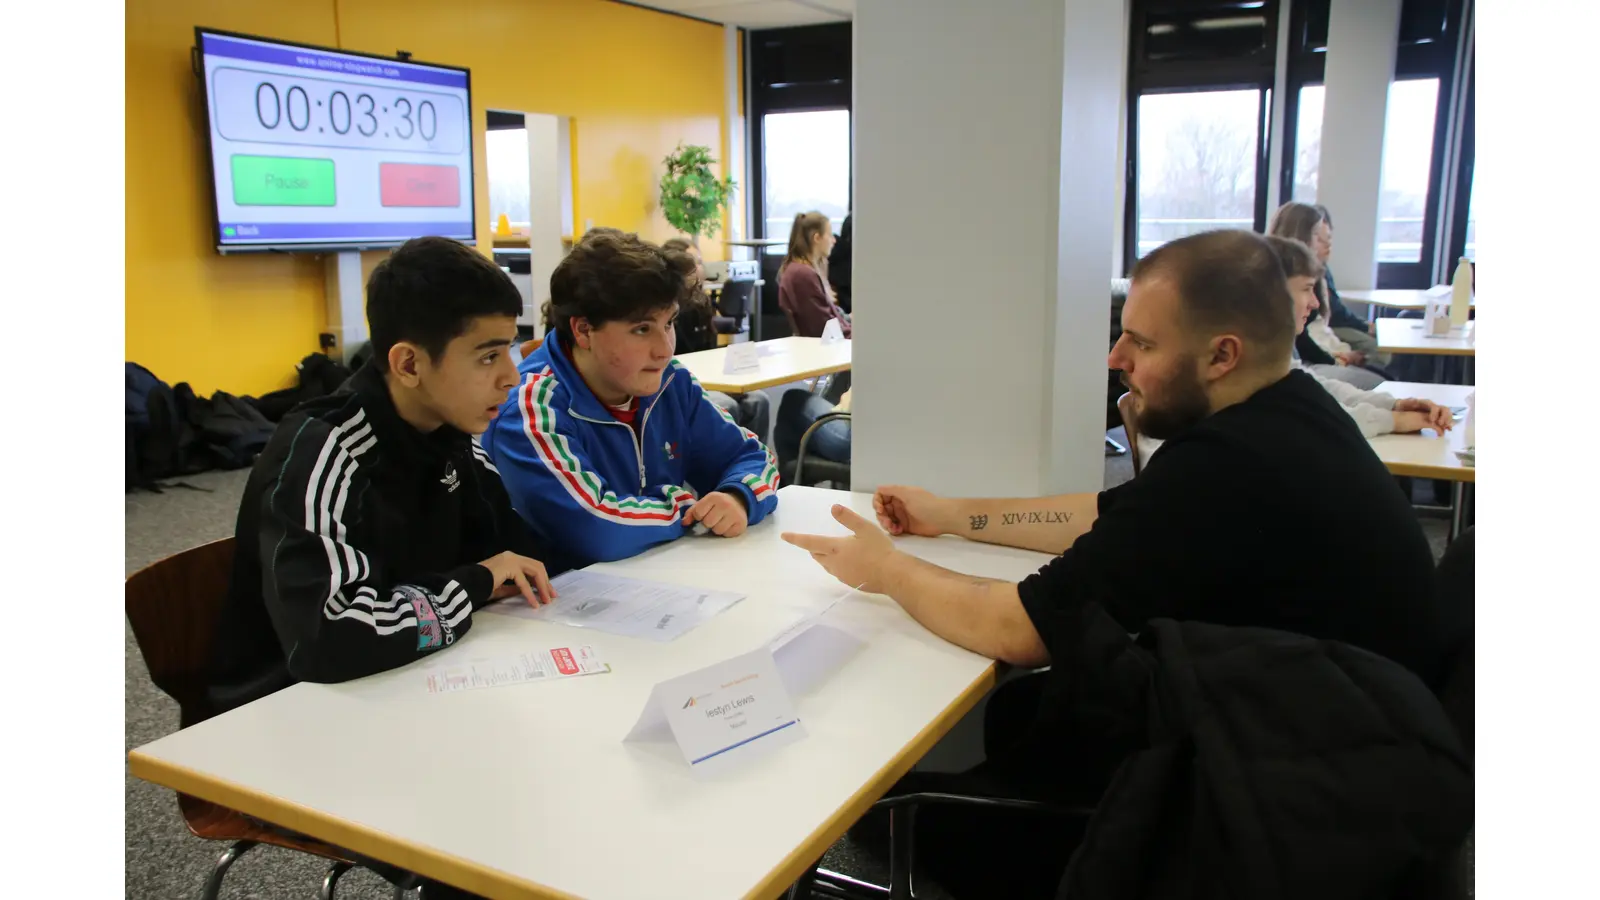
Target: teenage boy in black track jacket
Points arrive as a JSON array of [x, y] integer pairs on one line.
[[373, 525]]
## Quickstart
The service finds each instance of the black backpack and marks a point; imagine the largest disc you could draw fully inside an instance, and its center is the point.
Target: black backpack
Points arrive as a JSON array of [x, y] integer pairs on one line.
[[232, 431], [160, 442], [319, 376]]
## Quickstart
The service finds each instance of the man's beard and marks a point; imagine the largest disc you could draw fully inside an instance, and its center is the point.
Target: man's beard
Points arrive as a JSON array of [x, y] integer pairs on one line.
[[1183, 405]]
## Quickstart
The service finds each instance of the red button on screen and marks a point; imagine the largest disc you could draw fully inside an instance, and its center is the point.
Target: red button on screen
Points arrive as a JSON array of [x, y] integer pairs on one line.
[[408, 184]]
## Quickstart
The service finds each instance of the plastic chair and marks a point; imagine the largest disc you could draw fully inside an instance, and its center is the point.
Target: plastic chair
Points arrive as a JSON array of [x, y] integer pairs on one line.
[[173, 606], [793, 466], [529, 346]]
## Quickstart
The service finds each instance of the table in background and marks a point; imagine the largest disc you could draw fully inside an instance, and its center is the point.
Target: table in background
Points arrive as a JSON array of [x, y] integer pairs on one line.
[[529, 791], [783, 361], [1428, 455], [1391, 299], [1407, 336]]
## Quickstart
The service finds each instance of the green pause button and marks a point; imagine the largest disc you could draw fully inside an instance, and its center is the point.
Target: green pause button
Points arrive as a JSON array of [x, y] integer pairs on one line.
[[282, 181]]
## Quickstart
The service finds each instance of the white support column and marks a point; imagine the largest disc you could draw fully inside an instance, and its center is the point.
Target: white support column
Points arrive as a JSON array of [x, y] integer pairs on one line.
[[734, 165], [1362, 39], [986, 173], [548, 138], [1275, 134], [347, 304]]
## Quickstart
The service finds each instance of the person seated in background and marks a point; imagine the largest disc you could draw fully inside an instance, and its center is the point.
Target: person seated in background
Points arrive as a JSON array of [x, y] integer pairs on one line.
[[372, 527], [1318, 345], [839, 266], [803, 292], [1349, 327], [1374, 412], [696, 333], [1210, 531], [798, 411], [609, 446]]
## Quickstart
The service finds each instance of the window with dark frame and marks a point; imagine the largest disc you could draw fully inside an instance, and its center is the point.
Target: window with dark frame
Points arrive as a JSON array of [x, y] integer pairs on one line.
[[1414, 135], [1200, 85], [1197, 160]]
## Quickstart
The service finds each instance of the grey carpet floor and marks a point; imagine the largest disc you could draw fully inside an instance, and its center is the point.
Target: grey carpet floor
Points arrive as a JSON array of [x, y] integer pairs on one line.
[[162, 859]]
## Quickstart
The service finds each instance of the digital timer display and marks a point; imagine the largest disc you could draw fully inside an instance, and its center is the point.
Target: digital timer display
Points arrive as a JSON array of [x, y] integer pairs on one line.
[[315, 149]]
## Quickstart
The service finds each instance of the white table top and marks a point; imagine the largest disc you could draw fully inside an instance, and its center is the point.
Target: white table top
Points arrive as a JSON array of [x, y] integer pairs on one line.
[[783, 361], [1393, 299], [1405, 336], [1426, 455], [529, 791]]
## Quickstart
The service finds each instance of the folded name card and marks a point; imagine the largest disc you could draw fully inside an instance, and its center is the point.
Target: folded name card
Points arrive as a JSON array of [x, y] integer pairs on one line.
[[742, 357], [739, 705]]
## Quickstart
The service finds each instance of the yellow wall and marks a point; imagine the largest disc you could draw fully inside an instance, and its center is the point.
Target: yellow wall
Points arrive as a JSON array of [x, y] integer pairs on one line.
[[635, 83]]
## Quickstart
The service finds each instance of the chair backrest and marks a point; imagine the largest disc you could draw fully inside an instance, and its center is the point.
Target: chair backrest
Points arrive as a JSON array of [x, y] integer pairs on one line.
[[1130, 425], [529, 346], [735, 298], [1454, 585], [173, 606]]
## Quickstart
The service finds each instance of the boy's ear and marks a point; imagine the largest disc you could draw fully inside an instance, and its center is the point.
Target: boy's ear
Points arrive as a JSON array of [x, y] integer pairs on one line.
[[582, 331], [404, 362]]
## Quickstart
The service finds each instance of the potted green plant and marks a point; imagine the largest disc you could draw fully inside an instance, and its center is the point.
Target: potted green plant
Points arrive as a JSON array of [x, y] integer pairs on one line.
[[691, 195]]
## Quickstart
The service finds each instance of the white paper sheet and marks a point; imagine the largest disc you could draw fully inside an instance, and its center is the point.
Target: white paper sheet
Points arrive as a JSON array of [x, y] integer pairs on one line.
[[517, 668], [626, 606]]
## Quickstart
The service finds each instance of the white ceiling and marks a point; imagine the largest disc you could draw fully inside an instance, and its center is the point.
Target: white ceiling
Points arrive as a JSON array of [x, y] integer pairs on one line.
[[762, 13]]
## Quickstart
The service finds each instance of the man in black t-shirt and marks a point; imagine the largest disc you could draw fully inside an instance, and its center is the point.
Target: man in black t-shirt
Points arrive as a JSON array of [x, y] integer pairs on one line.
[[1220, 527]]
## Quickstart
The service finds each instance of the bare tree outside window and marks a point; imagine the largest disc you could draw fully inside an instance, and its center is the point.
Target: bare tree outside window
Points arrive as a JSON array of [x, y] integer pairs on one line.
[[1197, 163]]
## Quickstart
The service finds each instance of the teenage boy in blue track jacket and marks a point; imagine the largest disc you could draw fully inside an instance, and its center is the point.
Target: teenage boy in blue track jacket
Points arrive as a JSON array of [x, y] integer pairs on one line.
[[609, 446]]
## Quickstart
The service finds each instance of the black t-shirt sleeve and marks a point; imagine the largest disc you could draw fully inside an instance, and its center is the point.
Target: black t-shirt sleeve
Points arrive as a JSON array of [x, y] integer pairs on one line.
[[1131, 560]]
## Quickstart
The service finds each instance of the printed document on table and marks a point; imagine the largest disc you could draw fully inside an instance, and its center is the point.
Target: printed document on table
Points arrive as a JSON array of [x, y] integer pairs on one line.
[[627, 606], [515, 668]]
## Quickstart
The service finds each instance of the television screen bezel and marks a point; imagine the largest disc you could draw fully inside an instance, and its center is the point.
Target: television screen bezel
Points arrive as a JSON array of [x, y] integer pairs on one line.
[[329, 246]]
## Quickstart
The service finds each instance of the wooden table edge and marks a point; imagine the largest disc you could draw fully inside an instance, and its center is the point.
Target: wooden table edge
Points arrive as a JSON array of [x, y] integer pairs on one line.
[[1467, 474], [353, 836], [828, 833], [1431, 351], [787, 378]]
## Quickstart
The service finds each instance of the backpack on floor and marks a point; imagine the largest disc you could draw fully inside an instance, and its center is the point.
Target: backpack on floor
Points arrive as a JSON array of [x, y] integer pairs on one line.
[[232, 430], [318, 376], [159, 440]]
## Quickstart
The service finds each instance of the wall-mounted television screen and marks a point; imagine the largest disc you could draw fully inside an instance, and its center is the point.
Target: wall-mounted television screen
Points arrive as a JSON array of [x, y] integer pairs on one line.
[[314, 149]]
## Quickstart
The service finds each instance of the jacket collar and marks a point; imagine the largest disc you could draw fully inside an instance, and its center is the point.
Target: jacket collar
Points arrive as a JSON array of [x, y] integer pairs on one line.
[[369, 384], [581, 400]]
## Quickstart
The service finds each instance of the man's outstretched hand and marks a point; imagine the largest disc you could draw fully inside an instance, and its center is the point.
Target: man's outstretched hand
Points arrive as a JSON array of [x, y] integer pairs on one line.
[[862, 559]]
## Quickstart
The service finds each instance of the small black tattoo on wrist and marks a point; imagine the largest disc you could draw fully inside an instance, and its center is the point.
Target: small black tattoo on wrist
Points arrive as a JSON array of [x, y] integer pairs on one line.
[[979, 522]]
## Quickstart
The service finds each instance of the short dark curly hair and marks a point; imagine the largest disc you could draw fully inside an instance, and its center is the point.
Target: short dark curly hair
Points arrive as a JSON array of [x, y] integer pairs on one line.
[[611, 276]]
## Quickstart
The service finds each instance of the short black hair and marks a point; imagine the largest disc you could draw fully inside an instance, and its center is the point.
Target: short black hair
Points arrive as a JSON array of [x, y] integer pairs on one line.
[[611, 276], [428, 292], [1228, 280]]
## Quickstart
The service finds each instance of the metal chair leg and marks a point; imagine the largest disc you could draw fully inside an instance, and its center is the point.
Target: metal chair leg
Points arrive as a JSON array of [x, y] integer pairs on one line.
[[229, 856], [902, 852], [334, 873], [1113, 448]]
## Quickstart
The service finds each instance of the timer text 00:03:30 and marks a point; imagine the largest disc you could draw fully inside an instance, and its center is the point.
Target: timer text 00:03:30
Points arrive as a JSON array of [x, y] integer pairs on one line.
[[262, 107], [270, 104]]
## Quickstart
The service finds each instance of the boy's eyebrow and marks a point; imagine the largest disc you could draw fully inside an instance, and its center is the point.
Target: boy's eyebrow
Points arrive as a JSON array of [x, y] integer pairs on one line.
[[493, 342]]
